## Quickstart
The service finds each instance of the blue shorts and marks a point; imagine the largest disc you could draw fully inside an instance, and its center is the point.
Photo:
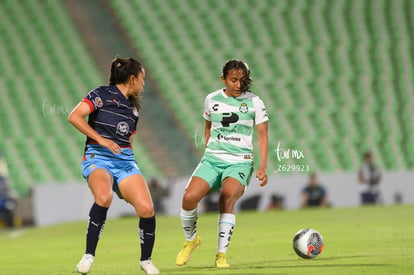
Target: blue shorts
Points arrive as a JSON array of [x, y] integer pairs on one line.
[[119, 166]]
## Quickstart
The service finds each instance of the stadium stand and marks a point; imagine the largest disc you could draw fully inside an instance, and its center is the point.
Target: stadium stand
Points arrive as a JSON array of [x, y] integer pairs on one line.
[[45, 71], [336, 76]]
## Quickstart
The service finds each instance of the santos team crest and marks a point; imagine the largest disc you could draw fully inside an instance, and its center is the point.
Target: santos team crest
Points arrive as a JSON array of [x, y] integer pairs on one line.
[[243, 108]]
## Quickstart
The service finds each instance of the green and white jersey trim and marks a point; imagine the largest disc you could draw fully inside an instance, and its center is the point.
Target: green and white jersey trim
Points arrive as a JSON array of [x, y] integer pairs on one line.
[[232, 124]]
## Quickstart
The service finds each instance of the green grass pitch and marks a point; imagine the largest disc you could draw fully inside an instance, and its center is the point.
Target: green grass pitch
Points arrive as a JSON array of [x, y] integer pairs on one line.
[[366, 240]]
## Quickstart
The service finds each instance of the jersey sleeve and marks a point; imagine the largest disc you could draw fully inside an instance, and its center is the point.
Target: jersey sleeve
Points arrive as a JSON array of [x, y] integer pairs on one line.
[[261, 113], [93, 99], [206, 113]]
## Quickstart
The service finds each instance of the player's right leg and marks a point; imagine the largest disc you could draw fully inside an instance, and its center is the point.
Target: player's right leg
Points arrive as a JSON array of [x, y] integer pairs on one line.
[[100, 183], [194, 192]]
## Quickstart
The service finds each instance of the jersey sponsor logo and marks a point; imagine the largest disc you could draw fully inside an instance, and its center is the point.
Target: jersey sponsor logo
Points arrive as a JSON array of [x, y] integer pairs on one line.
[[229, 118], [98, 102], [122, 128], [244, 108], [230, 138], [225, 130]]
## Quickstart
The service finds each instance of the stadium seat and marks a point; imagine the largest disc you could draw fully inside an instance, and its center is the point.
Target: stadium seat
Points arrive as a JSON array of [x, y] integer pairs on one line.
[[338, 72], [321, 61], [47, 72]]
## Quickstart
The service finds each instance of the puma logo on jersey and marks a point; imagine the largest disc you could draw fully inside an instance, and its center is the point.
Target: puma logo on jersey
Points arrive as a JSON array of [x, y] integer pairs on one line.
[[116, 102]]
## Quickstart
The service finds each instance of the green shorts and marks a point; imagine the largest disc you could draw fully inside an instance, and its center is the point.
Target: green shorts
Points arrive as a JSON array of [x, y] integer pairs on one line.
[[214, 174]]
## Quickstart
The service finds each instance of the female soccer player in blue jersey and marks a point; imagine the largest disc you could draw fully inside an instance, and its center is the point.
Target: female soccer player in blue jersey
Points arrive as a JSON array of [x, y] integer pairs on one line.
[[231, 114], [108, 163]]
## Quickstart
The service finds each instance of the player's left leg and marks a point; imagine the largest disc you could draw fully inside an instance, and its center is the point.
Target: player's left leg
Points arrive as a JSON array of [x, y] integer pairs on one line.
[[135, 191], [231, 191]]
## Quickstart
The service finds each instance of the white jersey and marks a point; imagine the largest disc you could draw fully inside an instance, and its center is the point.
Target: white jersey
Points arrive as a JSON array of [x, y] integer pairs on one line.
[[232, 121]]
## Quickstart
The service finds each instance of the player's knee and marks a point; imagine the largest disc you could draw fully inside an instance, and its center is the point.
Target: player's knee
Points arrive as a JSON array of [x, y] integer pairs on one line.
[[228, 196], [191, 198], [104, 199], [145, 211]]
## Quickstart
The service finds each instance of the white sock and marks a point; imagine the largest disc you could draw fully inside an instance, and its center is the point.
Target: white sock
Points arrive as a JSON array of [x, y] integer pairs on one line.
[[226, 224], [189, 223]]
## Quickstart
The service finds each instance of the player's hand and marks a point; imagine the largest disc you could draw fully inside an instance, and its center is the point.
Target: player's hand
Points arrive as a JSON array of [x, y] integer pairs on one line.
[[261, 176], [112, 146]]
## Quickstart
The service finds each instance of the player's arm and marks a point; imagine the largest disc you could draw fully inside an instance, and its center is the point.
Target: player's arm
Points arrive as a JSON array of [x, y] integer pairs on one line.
[[262, 134], [77, 119], [206, 116], [207, 132]]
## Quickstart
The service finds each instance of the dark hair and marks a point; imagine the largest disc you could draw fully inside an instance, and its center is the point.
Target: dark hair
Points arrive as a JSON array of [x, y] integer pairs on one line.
[[121, 70], [238, 65]]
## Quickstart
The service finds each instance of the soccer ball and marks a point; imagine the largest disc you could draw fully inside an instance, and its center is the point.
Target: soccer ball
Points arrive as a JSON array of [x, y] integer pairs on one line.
[[308, 243]]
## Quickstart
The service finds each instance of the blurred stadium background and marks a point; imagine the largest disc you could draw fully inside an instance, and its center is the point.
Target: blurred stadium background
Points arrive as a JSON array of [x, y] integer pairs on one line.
[[337, 78]]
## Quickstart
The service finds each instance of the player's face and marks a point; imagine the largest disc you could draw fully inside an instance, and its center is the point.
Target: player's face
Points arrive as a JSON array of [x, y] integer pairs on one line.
[[138, 83], [233, 82]]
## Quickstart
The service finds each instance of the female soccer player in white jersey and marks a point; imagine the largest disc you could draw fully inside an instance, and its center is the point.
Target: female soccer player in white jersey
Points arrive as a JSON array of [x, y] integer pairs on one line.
[[231, 114], [108, 163]]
